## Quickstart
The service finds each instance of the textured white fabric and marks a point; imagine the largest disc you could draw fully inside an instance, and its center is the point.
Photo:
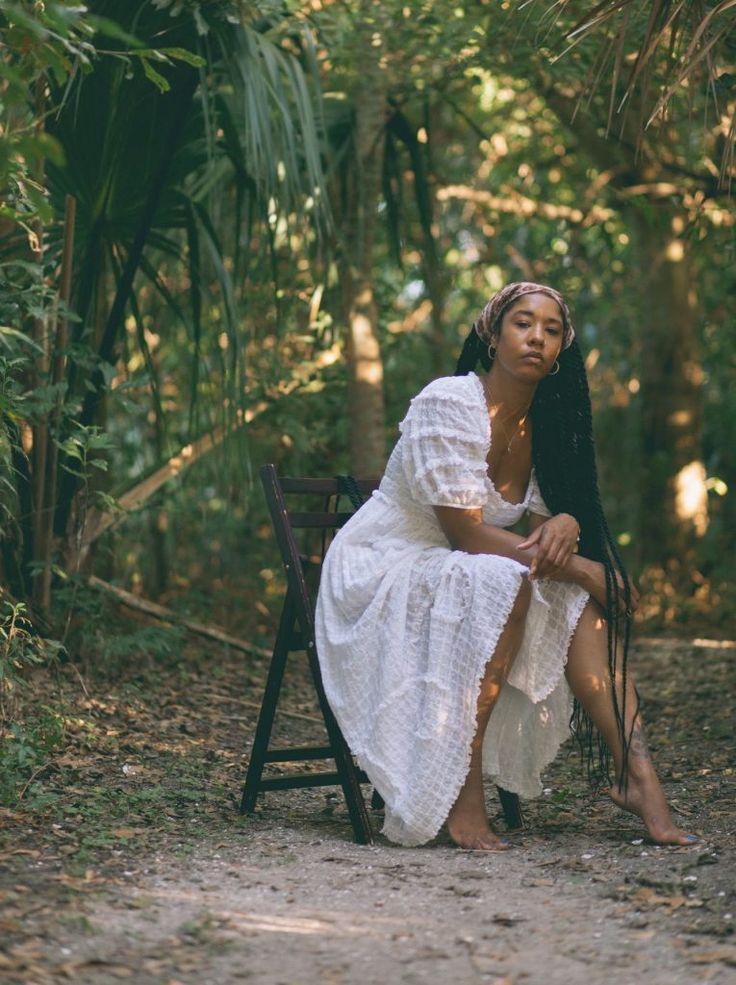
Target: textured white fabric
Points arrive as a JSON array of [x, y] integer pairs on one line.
[[406, 626]]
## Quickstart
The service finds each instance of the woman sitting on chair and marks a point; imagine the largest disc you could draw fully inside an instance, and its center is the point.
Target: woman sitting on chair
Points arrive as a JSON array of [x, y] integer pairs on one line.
[[450, 645]]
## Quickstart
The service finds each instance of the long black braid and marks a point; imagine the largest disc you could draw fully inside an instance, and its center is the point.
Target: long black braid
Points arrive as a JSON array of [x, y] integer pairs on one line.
[[563, 454]]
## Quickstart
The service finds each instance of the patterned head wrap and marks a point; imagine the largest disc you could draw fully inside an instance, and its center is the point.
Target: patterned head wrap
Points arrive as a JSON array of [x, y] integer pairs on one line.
[[489, 320]]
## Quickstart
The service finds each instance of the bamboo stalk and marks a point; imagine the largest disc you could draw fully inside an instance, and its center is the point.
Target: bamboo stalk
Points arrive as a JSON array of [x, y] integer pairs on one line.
[[40, 370], [48, 496], [139, 604]]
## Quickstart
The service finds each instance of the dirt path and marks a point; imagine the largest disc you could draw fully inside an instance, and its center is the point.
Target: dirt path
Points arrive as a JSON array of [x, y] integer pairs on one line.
[[136, 866]]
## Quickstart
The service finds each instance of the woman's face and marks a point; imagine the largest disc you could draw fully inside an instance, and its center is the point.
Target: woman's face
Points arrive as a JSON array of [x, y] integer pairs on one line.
[[530, 337]]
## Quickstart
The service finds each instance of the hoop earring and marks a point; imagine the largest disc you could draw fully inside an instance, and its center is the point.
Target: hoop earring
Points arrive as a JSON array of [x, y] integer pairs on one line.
[[554, 372], [491, 351]]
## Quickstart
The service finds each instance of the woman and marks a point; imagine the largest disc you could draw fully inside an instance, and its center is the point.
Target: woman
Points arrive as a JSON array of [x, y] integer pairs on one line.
[[449, 644]]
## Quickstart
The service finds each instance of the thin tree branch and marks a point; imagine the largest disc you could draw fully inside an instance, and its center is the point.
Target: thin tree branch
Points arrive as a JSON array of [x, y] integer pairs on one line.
[[160, 612]]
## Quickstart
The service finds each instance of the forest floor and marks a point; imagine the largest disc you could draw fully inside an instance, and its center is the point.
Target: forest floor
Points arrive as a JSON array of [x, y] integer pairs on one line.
[[126, 858]]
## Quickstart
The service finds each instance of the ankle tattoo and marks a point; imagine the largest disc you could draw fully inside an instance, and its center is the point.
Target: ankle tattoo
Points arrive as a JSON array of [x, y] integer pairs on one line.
[[638, 747]]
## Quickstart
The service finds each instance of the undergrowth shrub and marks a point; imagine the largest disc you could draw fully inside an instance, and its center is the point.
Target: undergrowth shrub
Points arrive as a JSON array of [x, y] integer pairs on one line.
[[25, 743]]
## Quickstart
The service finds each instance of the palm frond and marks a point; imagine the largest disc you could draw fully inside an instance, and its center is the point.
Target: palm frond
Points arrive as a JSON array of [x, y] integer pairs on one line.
[[281, 126], [668, 44]]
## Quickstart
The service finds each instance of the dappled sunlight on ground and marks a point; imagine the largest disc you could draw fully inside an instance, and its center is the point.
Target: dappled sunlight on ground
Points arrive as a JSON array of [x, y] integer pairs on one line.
[[126, 856]]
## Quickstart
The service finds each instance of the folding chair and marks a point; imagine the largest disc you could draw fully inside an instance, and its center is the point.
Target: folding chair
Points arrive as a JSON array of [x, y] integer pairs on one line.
[[296, 632]]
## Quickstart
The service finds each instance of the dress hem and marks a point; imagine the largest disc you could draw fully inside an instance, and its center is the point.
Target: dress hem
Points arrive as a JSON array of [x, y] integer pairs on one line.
[[395, 823], [508, 783]]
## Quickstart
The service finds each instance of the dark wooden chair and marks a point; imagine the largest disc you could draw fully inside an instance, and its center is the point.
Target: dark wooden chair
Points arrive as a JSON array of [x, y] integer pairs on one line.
[[296, 632]]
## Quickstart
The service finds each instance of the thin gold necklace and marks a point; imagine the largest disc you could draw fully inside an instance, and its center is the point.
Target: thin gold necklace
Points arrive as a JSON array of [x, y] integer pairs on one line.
[[503, 420]]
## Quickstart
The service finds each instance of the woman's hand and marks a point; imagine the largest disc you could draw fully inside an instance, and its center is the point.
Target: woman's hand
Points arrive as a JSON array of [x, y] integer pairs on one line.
[[555, 540], [593, 580]]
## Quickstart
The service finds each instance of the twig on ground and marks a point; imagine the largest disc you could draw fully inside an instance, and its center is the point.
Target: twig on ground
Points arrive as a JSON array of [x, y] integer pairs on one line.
[[168, 615], [281, 711], [81, 680], [32, 777]]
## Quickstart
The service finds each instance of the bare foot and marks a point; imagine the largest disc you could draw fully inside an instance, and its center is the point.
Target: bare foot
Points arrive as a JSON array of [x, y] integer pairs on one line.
[[645, 798], [467, 822], [475, 837]]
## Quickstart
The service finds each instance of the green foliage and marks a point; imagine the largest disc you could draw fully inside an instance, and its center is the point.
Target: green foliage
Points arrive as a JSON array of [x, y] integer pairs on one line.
[[655, 55], [101, 638], [79, 449], [20, 648], [131, 111], [205, 279], [24, 746], [152, 643]]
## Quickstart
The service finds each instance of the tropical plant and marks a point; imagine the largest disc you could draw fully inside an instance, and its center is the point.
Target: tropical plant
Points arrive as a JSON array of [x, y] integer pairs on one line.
[[183, 97], [658, 53]]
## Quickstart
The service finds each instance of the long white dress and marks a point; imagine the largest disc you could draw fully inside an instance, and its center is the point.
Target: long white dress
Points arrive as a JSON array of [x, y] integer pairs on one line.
[[406, 625]]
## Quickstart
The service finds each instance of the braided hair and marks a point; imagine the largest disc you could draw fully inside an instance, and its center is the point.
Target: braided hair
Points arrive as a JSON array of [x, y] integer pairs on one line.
[[563, 455]]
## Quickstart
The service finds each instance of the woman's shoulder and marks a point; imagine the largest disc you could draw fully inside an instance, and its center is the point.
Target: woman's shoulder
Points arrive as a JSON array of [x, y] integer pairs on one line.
[[451, 389], [449, 406]]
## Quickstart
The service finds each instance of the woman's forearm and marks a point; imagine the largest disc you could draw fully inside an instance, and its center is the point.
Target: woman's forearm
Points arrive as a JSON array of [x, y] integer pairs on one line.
[[483, 538], [473, 536]]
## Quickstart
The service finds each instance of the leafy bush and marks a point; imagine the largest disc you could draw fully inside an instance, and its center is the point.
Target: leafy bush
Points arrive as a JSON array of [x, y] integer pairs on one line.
[[24, 745]]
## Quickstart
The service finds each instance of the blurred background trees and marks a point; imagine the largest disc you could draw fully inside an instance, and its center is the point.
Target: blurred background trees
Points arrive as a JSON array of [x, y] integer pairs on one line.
[[236, 232]]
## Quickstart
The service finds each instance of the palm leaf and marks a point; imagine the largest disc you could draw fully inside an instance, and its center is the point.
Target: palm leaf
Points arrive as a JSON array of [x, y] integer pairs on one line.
[[672, 42]]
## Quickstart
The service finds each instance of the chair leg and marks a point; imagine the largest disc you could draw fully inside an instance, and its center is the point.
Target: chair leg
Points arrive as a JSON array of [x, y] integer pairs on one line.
[[377, 802], [511, 809], [348, 772], [268, 709], [346, 767]]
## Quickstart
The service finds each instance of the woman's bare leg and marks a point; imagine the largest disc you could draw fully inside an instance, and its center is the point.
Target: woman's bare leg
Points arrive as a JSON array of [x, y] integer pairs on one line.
[[467, 822], [588, 676]]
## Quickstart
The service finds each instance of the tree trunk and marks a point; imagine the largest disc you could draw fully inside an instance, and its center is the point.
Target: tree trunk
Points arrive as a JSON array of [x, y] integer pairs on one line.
[[365, 377], [433, 271], [362, 178], [674, 500]]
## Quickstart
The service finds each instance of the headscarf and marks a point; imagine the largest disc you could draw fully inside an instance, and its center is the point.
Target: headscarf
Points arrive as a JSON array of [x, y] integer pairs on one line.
[[489, 320]]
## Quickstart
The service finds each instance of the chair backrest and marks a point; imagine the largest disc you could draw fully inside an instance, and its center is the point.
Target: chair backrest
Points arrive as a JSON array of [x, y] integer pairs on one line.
[[280, 493]]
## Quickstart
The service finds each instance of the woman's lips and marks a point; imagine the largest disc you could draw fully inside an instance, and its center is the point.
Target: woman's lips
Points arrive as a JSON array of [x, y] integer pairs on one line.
[[533, 357]]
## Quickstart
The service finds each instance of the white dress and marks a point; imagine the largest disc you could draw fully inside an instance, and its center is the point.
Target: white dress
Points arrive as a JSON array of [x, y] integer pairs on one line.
[[406, 625]]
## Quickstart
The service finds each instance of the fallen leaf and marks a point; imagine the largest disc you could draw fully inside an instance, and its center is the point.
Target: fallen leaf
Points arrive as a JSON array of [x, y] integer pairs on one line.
[[506, 919], [648, 897], [726, 954]]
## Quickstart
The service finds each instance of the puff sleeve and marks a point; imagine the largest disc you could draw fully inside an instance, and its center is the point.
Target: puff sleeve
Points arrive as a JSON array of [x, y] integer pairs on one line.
[[444, 447]]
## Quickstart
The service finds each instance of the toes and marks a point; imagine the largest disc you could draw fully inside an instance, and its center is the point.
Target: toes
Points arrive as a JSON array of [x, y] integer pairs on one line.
[[486, 844], [685, 839], [680, 839], [485, 841]]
